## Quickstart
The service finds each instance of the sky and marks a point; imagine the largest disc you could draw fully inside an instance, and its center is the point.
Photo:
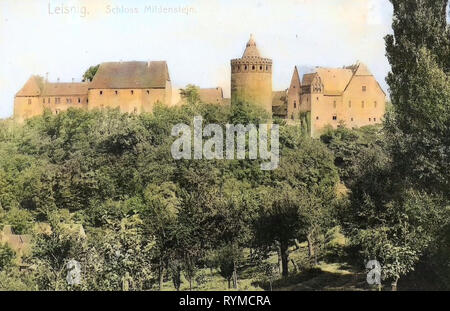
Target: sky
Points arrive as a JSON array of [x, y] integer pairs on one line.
[[197, 38]]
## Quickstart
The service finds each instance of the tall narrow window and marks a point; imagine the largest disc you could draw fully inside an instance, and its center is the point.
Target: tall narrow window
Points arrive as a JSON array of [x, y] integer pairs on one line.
[[43, 100], [79, 100], [132, 92], [334, 118], [116, 92], [364, 88], [295, 104], [101, 92]]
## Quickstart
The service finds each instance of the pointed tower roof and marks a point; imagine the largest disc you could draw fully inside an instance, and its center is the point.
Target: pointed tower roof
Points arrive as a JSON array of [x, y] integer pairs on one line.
[[251, 50]]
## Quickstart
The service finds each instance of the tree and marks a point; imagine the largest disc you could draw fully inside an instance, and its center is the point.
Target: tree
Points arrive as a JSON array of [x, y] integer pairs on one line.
[[388, 222], [90, 73], [190, 94], [277, 221], [419, 125], [7, 256]]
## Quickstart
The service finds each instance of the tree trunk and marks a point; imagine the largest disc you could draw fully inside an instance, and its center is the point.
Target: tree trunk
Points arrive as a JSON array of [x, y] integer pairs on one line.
[[284, 259], [280, 266], [394, 285], [229, 283], [295, 266], [161, 274], [234, 276], [311, 253]]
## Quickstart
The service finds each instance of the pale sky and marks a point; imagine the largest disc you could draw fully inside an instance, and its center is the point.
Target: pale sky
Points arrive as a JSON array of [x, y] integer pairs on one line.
[[197, 41]]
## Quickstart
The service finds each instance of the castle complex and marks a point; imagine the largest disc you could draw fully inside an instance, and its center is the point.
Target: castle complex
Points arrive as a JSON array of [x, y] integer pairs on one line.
[[348, 96]]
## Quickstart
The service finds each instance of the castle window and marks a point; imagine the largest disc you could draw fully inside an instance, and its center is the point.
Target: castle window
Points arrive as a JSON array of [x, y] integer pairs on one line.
[[295, 104], [364, 88], [29, 101], [317, 118], [116, 92], [292, 116], [334, 118], [370, 119], [253, 67], [79, 100], [351, 119], [101, 92], [245, 67], [267, 67], [374, 119], [148, 92], [87, 100], [260, 68], [317, 98], [132, 92]]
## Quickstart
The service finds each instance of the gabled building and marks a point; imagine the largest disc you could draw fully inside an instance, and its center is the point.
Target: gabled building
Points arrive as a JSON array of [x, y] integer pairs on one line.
[[133, 87], [348, 96]]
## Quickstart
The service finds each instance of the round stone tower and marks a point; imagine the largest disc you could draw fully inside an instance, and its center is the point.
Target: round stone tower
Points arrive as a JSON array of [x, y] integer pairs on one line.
[[251, 78]]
